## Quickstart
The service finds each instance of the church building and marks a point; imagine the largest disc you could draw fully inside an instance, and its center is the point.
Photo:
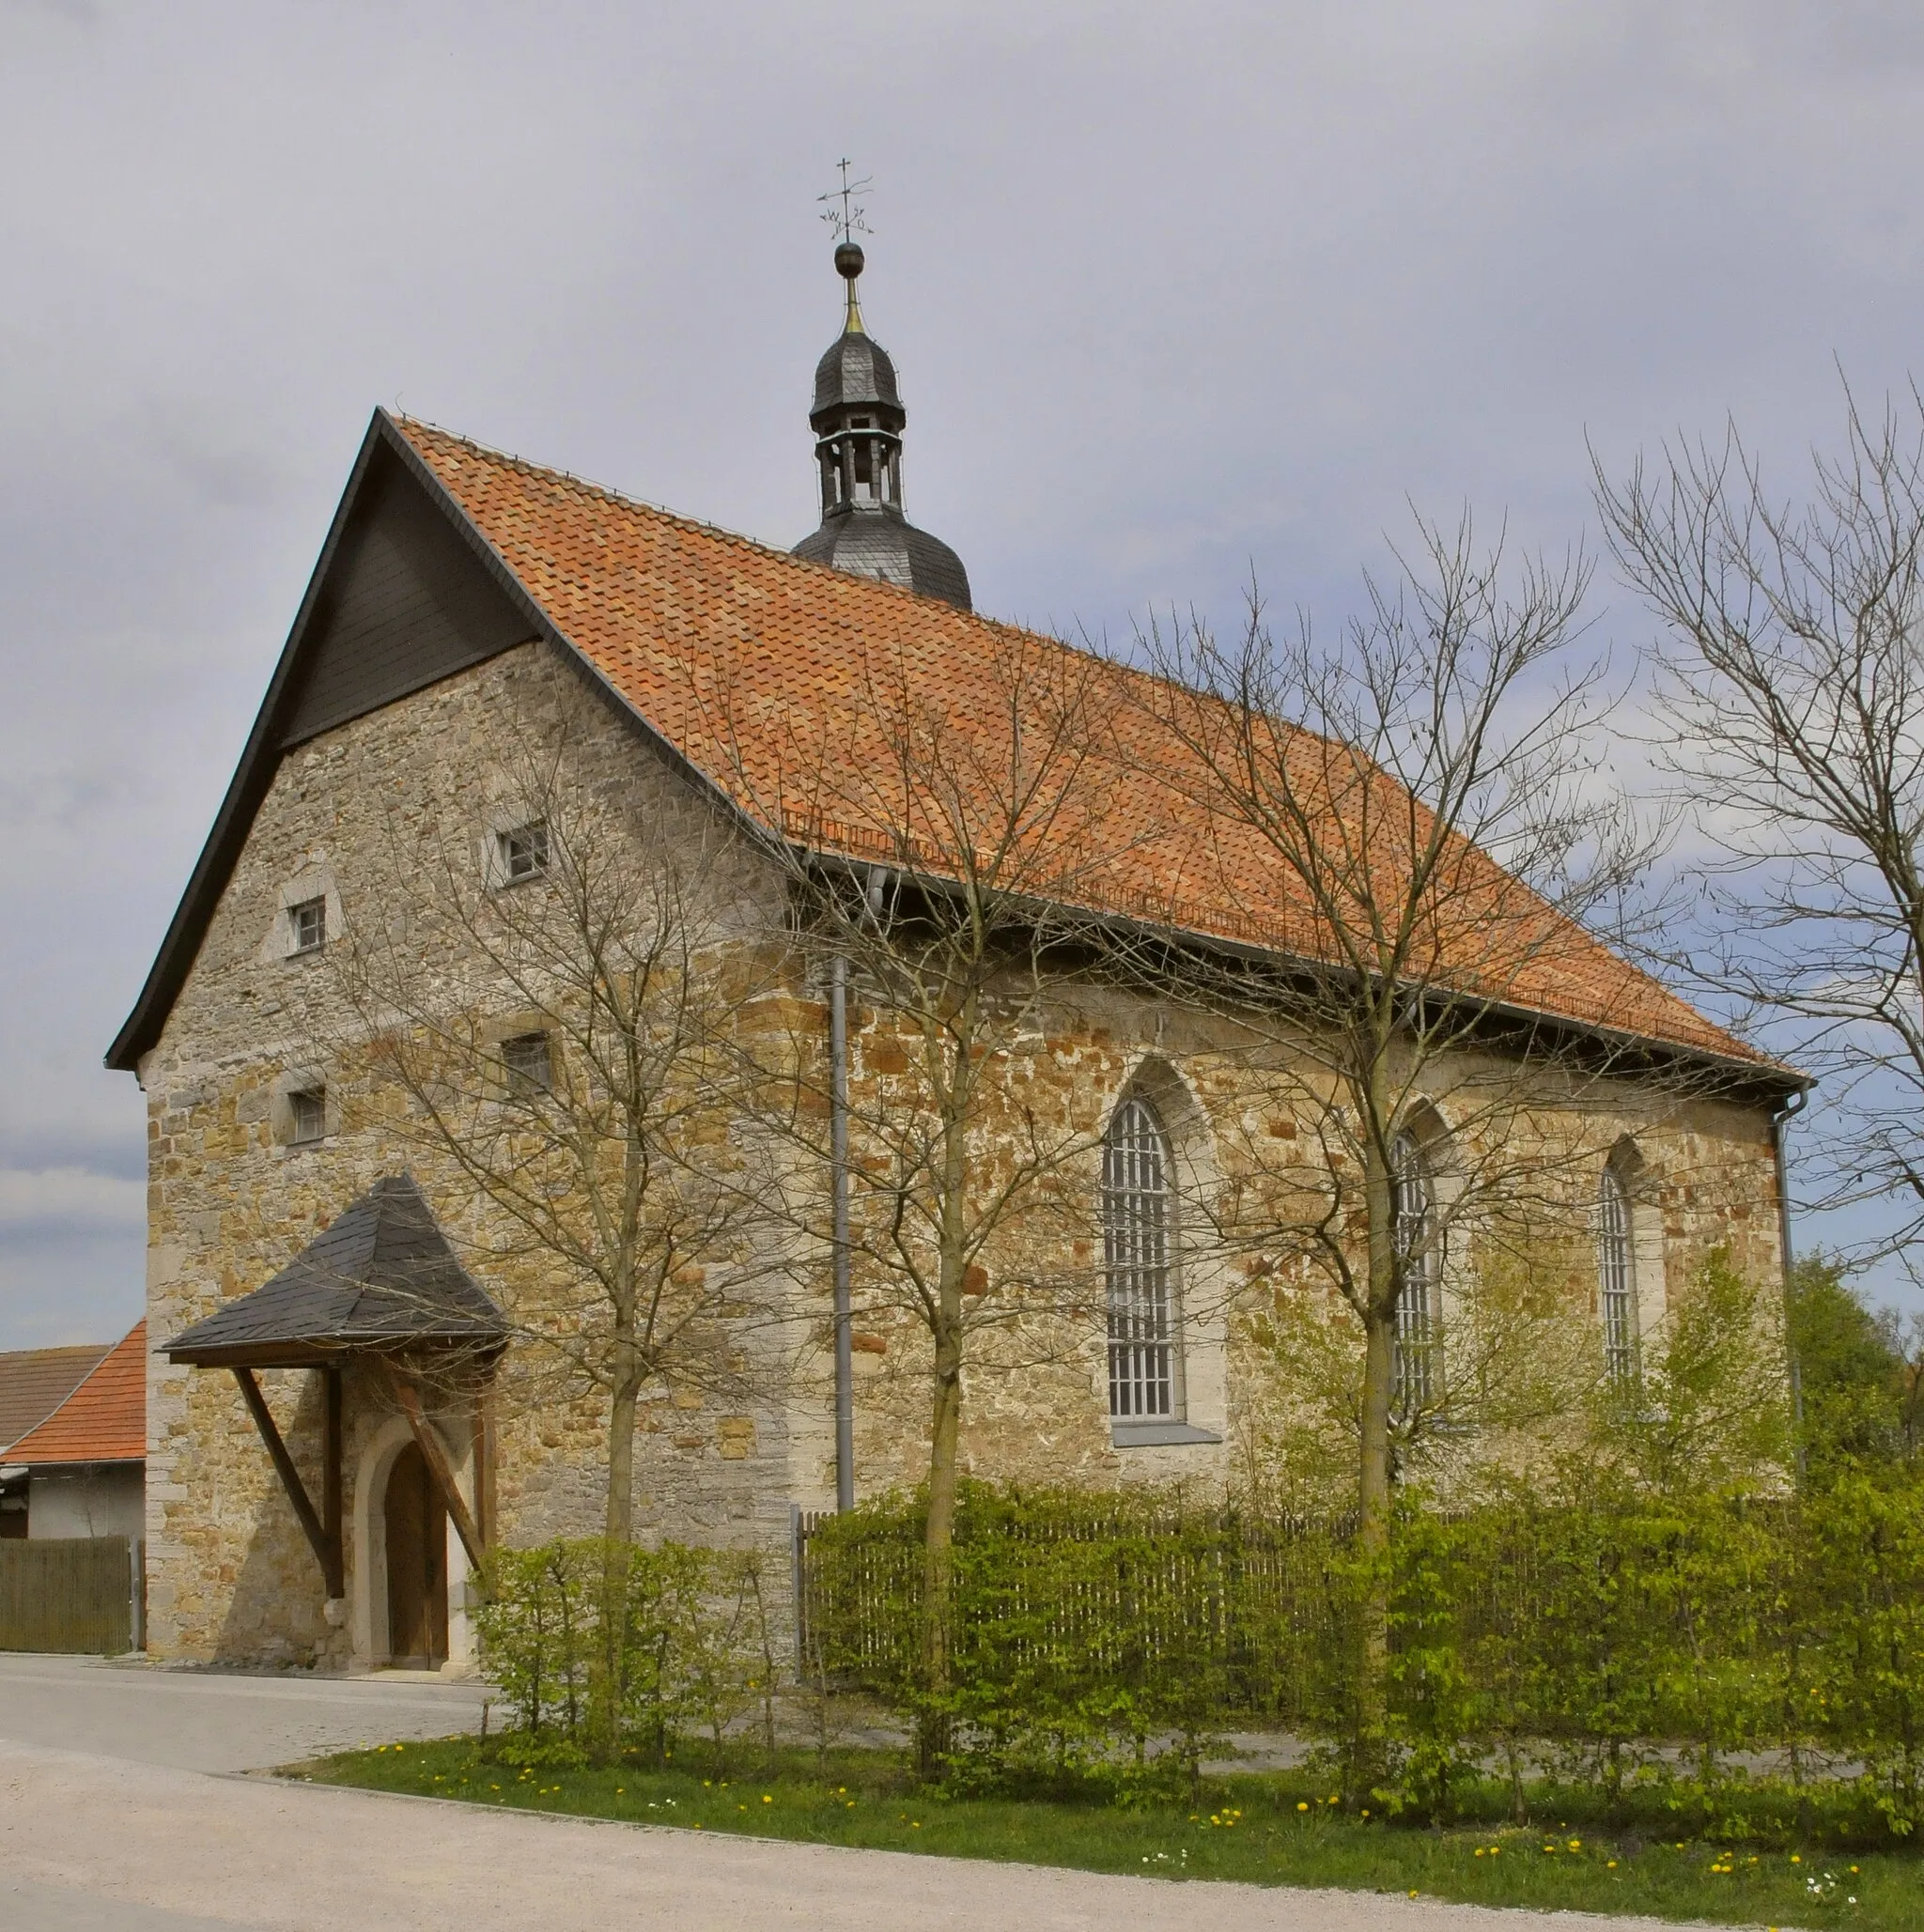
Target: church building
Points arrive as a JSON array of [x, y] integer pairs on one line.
[[346, 1397]]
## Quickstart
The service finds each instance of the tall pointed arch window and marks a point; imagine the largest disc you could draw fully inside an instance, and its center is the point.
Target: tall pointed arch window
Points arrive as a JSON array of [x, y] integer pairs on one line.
[[1417, 1368], [1138, 1243], [1616, 1279]]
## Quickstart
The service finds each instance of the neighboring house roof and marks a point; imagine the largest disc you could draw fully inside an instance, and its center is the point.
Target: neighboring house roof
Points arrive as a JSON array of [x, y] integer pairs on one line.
[[380, 1276], [684, 622], [35, 1382], [104, 1419]]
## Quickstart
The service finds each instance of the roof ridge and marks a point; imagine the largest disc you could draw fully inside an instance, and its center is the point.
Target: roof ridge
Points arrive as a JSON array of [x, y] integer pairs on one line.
[[701, 527], [697, 526]]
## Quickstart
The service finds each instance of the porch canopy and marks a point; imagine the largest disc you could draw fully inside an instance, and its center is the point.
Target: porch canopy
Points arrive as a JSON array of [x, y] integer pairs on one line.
[[381, 1283]]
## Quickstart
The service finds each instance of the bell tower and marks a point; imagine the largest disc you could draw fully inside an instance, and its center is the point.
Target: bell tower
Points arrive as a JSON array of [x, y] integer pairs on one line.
[[857, 418]]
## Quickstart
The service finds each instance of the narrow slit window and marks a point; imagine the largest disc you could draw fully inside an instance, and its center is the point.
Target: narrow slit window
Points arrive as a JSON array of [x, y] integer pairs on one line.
[[307, 925], [1137, 1229], [524, 852], [527, 1064], [1418, 1370], [1616, 1279], [306, 1115]]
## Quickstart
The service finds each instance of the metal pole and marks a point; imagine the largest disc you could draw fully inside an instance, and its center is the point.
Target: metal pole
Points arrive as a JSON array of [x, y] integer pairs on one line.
[[1778, 1120], [838, 1150]]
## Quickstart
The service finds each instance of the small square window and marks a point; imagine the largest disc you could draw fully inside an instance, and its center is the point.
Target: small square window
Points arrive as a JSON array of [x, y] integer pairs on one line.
[[307, 925], [524, 852], [527, 1064], [306, 1115]]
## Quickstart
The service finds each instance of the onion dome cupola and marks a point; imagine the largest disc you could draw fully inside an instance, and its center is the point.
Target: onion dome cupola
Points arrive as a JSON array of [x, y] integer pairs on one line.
[[858, 418]]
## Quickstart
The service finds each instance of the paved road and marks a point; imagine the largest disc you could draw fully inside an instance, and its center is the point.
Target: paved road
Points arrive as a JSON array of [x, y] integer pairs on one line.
[[205, 1722], [141, 1832]]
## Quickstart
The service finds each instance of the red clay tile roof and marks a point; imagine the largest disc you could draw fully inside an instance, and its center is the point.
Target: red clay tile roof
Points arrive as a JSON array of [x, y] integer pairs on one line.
[[746, 660], [104, 1419], [35, 1382]]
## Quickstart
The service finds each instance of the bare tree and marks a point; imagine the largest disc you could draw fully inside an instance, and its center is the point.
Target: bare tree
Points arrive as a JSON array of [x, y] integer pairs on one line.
[[1414, 820], [562, 1013], [941, 857], [1792, 673]]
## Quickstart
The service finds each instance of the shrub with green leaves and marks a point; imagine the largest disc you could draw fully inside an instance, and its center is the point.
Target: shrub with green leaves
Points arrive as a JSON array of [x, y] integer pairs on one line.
[[694, 1651], [1735, 1661]]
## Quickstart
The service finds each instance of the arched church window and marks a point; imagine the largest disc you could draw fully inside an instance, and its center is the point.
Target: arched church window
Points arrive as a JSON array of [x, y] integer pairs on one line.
[[1138, 1235], [1417, 1359], [1616, 1279]]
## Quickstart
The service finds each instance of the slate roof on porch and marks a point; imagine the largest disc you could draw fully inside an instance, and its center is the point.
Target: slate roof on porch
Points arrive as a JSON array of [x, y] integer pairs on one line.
[[381, 1275]]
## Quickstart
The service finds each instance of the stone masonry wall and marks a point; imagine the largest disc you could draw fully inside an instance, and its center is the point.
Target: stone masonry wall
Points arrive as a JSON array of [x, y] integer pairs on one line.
[[229, 1203]]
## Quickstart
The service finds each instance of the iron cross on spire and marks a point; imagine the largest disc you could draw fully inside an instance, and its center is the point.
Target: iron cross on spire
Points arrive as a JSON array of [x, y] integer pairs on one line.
[[848, 220]]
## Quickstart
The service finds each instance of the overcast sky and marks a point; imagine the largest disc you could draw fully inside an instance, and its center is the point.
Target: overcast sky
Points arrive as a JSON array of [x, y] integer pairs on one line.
[[1174, 292]]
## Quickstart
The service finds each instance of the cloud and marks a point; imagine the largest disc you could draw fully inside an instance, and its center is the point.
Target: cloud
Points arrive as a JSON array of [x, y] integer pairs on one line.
[[37, 1201], [1174, 294]]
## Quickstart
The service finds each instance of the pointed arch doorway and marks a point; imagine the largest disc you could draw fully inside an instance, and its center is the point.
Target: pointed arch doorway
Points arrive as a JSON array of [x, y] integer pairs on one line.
[[414, 1522]]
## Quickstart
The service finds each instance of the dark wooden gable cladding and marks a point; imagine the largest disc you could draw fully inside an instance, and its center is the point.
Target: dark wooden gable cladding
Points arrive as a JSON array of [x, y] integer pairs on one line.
[[405, 603], [447, 584]]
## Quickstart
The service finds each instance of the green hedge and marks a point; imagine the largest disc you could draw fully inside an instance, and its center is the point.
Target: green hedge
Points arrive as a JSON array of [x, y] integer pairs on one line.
[[1084, 1627], [694, 1651], [1732, 1659]]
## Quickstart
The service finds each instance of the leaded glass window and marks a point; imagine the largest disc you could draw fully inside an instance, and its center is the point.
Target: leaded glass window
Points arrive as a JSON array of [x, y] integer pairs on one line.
[[1418, 1366], [1616, 1279], [1138, 1228]]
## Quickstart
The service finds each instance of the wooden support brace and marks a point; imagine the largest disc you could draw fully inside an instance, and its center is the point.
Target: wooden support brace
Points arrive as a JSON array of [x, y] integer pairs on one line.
[[436, 1458], [327, 1550], [330, 1463]]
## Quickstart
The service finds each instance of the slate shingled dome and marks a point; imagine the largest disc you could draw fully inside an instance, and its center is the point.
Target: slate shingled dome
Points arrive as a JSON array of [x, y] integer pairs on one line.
[[855, 369], [884, 544]]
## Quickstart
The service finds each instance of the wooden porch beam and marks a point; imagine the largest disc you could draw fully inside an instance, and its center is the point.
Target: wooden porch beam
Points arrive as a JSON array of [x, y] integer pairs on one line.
[[327, 1551], [436, 1458], [333, 1450]]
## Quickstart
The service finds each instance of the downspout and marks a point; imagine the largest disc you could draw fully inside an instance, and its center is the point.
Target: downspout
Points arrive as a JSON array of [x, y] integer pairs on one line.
[[838, 1166], [1778, 1119]]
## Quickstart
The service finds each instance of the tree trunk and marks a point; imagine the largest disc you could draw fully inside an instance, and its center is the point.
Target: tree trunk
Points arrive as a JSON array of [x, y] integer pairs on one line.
[[938, 1553], [618, 1526], [1373, 1471], [945, 1427], [1372, 1551]]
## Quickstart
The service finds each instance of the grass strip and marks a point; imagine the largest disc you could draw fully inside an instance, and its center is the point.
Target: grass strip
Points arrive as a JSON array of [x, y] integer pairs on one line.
[[1264, 1829]]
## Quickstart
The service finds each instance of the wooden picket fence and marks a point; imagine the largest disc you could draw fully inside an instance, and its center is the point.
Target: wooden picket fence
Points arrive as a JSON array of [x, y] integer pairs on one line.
[[1075, 1589], [78, 1594]]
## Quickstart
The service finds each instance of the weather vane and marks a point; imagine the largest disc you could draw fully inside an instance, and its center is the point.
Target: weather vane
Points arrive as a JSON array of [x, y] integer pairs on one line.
[[848, 220]]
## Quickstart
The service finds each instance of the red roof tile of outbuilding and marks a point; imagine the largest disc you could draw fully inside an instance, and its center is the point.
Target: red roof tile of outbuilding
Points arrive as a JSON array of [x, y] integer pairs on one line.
[[104, 1419], [35, 1382]]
